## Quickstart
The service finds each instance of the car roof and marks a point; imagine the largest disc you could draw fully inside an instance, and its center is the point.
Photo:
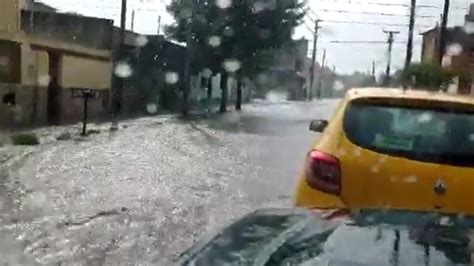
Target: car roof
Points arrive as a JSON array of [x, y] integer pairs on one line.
[[398, 93]]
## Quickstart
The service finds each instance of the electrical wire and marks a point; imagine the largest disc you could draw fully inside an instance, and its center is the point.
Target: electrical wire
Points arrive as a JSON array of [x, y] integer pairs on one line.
[[373, 13], [370, 23], [364, 42], [309, 28], [352, 2], [313, 12]]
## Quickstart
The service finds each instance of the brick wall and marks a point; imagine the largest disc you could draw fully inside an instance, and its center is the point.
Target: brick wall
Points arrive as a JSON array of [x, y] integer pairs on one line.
[[22, 106]]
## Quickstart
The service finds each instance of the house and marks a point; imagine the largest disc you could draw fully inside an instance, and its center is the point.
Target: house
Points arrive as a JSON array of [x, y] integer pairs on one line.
[[44, 56], [458, 55]]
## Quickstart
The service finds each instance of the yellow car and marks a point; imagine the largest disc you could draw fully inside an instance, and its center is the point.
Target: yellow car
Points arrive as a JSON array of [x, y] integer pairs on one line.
[[393, 149]]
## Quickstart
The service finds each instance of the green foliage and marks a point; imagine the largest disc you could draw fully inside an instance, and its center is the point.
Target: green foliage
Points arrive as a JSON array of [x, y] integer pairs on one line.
[[25, 139], [247, 29], [426, 75]]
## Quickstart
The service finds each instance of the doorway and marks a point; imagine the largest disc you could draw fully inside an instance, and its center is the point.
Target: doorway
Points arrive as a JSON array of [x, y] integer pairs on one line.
[[53, 88]]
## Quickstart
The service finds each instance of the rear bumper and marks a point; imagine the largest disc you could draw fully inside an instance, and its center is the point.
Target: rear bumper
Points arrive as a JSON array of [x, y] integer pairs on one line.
[[307, 197]]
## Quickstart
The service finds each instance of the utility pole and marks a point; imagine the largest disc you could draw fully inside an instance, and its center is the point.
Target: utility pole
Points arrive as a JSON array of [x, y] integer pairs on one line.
[[411, 27], [187, 62], [442, 37], [313, 59], [373, 68], [117, 82], [158, 30], [389, 55], [320, 81], [132, 27]]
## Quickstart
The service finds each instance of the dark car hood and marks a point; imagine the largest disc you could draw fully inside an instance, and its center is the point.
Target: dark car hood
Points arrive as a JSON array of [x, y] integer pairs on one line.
[[298, 237]]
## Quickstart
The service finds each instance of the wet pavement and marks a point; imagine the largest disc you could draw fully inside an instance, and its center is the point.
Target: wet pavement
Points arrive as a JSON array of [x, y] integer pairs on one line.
[[146, 193]]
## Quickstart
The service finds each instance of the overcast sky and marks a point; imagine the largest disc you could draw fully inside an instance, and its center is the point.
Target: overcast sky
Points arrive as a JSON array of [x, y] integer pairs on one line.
[[345, 57]]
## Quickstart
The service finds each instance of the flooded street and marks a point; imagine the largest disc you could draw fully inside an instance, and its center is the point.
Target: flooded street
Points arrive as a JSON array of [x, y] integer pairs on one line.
[[146, 193]]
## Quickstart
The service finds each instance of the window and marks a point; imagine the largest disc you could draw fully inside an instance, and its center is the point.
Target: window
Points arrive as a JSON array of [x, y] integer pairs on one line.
[[424, 134], [9, 99]]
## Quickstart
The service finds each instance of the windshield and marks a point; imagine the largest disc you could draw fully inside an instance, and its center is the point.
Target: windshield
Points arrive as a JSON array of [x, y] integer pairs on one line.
[[132, 129], [425, 134]]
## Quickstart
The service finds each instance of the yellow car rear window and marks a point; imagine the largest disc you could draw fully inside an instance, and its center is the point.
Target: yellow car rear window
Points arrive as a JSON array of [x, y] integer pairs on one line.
[[426, 134]]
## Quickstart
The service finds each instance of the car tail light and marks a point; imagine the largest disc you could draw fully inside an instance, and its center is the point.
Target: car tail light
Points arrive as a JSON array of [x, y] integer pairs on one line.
[[323, 172]]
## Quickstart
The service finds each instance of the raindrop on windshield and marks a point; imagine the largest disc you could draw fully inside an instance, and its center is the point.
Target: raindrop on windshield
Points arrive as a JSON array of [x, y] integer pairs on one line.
[[263, 78], [338, 85], [356, 152], [375, 169], [43, 80], [469, 28], [425, 117], [231, 65], [228, 31], [444, 220], [207, 73], [215, 41], [141, 41], [260, 6], [370, 219], [123, 70], [185, 13], [223, 3], [151, 108], [454, 49], [410, 179], [171, 78]]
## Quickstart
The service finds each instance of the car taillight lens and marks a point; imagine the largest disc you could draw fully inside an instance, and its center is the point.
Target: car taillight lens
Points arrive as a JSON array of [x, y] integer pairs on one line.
[[323, 172]]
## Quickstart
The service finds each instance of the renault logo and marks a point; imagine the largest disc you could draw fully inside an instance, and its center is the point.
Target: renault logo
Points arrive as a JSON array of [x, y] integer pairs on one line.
[[440, 187]]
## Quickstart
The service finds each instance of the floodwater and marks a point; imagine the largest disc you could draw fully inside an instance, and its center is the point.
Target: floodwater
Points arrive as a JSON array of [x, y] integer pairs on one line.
[[146, 193]]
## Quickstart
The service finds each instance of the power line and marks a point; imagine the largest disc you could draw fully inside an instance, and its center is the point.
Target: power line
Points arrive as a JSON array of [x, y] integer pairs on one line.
[[371, 23], [364, 42], [313, 12], [309, 28], [311, 18], [362, 3], [352, 2], [374, 13]]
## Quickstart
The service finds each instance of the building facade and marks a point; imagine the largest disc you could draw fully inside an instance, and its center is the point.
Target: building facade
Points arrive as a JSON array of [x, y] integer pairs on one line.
[[458, 55], [45, 55]]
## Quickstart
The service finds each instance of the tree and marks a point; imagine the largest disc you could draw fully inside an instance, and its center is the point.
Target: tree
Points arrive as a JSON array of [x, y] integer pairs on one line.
[[428, 76], [239, 32]]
